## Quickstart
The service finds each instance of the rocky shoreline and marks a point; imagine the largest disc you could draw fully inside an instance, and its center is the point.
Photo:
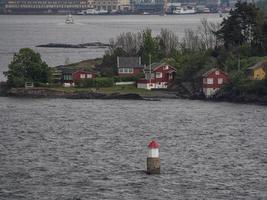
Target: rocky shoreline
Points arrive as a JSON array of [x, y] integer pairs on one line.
[[240, 98], [49, 93]]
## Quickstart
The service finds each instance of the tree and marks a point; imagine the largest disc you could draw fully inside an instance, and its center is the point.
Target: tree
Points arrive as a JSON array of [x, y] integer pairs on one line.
[[27, 66], [150, 47], [207, 34], [108, 67], [264, 36], [243, 26], [128, 42], [168, 42], [262, 4], [191, 42], [202, 39]]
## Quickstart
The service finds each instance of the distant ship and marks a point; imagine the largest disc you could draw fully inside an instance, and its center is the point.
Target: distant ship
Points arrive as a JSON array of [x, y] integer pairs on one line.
[[183, 10], [93, 12], [69, 19], [206, 10]]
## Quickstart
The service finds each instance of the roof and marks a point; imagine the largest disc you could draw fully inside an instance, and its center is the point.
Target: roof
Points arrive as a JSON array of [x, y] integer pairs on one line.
[[66, 70], [259, 64], [70, 70], [129, 62], [153, 145], [84, 71], [156, 65], [211, 71]]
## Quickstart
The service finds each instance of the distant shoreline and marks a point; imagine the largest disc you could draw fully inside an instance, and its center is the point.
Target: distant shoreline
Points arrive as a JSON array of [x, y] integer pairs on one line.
[[131, 14]]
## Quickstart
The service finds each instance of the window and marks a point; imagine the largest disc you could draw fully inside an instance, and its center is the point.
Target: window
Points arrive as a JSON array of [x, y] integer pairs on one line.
[[210, 80], [147, 76], [67, 77], [217, 73], [130, 70], [126, 70], [166, 67], [158, 75], [82, 75], [220, 81], [89, 75]]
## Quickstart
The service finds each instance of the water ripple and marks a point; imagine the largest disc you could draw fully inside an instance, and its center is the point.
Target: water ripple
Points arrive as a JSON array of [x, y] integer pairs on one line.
[[91, 149]]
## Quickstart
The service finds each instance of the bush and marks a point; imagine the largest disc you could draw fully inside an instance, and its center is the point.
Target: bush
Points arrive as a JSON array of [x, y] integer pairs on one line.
[[97, 82], [257, 87], [126, 79], [241, 85]]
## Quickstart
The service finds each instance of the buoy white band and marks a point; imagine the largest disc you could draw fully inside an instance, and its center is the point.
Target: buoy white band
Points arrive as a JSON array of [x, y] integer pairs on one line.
[[153, 153]]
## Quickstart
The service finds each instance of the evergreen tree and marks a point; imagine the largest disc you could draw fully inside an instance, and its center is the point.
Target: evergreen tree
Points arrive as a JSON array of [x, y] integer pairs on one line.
[[262, 4], [108, 67], [243, 26], [150, 47]]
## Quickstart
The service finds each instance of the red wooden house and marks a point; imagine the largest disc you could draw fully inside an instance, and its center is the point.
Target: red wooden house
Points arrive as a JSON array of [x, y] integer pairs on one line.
[[71, 76], [158, 75], [82, 74], [213, 80], [129, 66]]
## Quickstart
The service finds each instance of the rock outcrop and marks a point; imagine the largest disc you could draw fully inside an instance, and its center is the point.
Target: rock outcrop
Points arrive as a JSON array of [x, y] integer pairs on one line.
[[84, 45], [49, 93]]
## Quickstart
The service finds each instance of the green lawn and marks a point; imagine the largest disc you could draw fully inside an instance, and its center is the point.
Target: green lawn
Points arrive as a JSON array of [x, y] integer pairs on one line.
[[107, 90]]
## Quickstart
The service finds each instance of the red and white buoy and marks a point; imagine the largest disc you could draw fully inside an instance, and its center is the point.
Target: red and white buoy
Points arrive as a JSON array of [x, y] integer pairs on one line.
[[153, 161]]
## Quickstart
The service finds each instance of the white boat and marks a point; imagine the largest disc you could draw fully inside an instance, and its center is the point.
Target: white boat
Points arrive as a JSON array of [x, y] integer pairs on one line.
[[69, 19], [184, 10]]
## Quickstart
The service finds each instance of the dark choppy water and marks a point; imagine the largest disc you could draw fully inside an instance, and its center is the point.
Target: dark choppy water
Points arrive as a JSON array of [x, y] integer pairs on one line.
[[92, 149], [18, 31]]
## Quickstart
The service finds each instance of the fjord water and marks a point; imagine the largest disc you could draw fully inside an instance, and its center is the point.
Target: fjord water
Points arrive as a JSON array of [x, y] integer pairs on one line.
[[96, 149], [17, 31]]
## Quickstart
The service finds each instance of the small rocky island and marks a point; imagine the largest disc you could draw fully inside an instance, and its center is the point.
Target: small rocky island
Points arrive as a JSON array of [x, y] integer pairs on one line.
[[83, 45]]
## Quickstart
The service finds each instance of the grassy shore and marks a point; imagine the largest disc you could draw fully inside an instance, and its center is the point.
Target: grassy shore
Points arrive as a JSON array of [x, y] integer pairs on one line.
[[119, 90], [89, 64], [57, 91], [107, 90]]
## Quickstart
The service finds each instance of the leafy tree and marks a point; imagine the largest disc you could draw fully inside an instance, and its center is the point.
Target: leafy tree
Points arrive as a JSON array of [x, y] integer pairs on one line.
[[191, 65], [27, 66]]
